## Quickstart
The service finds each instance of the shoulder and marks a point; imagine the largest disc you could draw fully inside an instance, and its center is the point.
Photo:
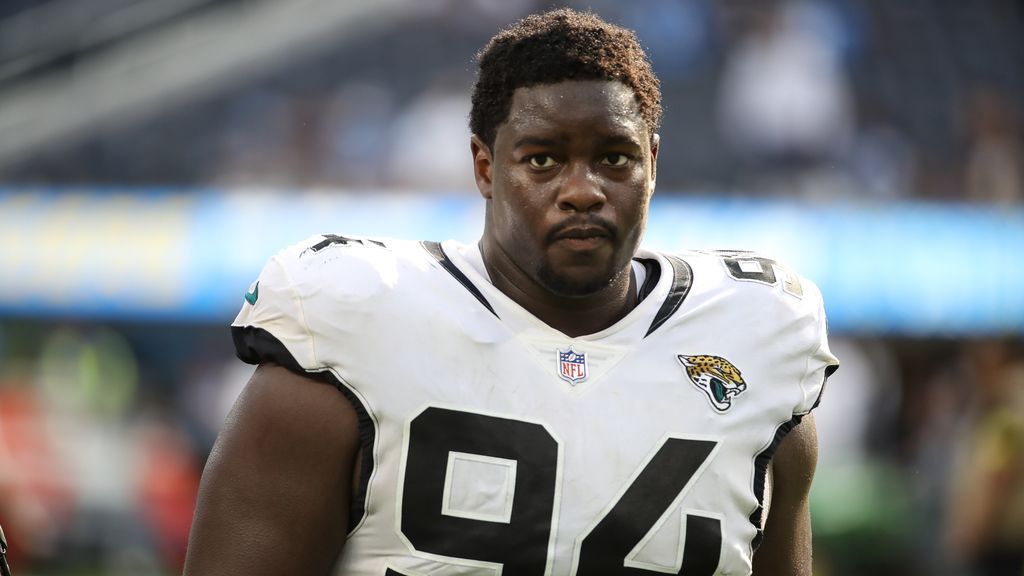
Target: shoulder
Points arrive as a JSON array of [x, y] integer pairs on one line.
[[765, 308], [327, 276], [341, 264], [751, 277]]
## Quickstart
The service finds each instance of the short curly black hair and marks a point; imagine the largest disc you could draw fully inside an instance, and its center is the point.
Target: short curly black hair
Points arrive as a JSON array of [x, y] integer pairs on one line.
[[552, 47]]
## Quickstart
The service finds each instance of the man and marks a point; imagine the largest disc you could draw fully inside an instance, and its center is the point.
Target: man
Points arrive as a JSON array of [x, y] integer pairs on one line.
[[553, 400]]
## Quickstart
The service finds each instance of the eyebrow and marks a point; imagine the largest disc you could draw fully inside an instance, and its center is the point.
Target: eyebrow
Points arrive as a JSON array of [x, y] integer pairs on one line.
[[533, 141], [625, 140], [547, 142]]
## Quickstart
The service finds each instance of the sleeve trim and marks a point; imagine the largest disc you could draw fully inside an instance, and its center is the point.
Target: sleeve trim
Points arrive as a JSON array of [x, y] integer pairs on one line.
[[761, 463], [257, 345]]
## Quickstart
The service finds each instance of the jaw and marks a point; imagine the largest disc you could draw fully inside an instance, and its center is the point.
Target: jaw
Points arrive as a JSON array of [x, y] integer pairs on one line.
[[721, 395], [577, 281], [578, 269]]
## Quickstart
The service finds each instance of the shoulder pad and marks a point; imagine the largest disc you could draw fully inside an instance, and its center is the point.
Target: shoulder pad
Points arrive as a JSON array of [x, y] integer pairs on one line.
[[320, 275], [787, 304]]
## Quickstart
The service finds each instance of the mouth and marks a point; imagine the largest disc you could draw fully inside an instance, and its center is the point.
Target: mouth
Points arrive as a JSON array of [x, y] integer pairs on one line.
[[582, 239], [585, 237], [718, 389]]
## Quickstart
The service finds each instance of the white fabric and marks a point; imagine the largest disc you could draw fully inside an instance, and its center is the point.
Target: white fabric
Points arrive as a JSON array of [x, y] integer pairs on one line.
[[404, 335]]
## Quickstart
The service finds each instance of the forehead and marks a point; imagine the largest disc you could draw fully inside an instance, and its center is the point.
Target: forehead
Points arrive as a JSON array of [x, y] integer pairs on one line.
[[587, 106]]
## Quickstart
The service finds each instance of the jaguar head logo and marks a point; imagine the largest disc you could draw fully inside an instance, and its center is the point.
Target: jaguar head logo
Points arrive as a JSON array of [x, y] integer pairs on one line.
[[716, 377]]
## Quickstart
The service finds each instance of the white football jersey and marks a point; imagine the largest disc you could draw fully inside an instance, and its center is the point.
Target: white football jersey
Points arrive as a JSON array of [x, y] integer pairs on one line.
[[496, 445]]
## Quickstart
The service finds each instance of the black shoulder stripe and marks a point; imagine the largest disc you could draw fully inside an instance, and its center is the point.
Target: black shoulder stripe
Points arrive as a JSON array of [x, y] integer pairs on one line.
[[653, 275], [682, 279], [435, 250], [255, 345], [761, 463]]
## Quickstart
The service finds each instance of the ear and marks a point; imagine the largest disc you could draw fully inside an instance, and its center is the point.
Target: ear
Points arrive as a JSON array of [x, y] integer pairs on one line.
[[482, 165], [655, 141]]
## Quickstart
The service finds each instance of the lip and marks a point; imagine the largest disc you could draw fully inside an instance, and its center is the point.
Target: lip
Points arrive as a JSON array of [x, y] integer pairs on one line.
[[588, 243], [582, 237], [582, 233]]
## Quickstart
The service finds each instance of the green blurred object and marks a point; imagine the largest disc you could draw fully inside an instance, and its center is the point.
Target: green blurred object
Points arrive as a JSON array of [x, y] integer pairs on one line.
[[90, 372], [863, 518]]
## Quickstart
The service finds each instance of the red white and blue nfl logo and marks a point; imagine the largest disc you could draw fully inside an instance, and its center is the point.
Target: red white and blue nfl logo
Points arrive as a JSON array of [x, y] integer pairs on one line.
[[572, 366]]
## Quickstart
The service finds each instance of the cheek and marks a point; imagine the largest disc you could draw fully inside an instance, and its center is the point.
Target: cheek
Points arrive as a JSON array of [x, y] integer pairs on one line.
[[525, 198], [521, 214], [636, 201]]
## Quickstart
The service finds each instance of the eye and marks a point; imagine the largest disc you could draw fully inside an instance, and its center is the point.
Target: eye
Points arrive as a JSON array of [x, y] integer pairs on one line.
[[541, 161], [615, 159]]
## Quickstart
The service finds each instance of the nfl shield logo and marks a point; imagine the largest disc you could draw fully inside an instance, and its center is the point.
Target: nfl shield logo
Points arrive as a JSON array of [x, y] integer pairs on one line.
[[572, 366]]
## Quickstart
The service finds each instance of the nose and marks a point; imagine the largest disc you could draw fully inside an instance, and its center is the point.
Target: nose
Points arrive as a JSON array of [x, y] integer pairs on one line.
[[580, 191]]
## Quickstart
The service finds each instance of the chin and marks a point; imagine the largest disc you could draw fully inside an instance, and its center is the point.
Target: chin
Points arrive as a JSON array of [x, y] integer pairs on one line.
[[564, 283]]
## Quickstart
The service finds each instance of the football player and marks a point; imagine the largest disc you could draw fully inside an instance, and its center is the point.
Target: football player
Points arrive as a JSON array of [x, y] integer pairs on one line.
[[553, 400]]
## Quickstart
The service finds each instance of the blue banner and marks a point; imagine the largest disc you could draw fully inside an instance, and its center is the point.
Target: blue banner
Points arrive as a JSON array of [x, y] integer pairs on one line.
[[165, 255]]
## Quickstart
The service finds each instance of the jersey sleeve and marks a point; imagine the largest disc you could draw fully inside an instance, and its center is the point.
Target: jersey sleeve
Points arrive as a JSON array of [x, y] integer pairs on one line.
[[271, 326], [821, 363]]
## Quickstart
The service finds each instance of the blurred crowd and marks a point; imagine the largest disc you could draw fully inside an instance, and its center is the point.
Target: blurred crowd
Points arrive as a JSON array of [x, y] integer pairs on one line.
[[103, 435], [863, 99], [921, 463], [104, 428]]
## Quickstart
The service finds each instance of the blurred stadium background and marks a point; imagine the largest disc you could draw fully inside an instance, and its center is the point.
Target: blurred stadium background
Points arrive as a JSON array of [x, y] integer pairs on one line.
[[153, 153]]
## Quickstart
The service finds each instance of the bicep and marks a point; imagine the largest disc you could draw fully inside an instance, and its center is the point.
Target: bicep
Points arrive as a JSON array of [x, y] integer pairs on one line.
[[275, 493], [786, 547]]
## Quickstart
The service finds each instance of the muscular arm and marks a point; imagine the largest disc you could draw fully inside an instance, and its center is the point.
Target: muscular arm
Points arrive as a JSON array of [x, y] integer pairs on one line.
[[274, 497], [786, 548]]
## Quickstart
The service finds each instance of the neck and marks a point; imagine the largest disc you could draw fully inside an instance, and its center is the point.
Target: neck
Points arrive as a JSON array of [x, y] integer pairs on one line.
[[572, 315]]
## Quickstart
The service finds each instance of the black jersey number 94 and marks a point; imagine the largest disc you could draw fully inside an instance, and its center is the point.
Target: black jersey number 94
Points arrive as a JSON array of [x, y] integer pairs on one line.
[[519, 535]]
